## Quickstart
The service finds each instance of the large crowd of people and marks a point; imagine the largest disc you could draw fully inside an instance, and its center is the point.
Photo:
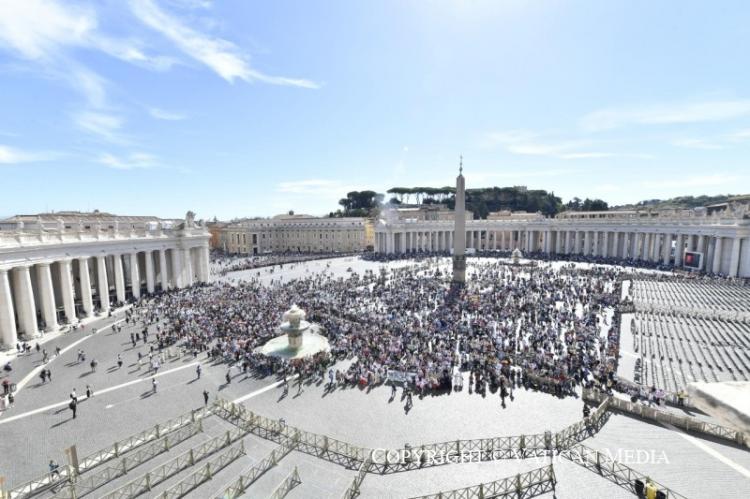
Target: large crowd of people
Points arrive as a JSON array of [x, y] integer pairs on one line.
[[508, 326]]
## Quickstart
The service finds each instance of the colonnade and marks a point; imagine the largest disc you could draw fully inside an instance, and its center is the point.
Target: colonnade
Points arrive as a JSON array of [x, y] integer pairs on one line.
[[42, 295], [717, 253]]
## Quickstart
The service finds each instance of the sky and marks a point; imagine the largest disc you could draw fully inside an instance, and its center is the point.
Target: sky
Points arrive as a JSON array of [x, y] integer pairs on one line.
[[239, 108]]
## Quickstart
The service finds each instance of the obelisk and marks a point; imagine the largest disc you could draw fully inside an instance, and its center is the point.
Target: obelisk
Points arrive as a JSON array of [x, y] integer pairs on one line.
[[459, 230]]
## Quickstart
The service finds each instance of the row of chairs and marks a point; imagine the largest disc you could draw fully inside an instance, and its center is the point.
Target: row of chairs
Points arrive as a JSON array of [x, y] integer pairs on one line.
[[675, 350], [717, 296]]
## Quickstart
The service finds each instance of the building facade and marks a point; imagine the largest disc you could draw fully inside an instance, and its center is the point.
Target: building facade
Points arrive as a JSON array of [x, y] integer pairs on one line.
[[720, 240], [58, 268], [297, 233]]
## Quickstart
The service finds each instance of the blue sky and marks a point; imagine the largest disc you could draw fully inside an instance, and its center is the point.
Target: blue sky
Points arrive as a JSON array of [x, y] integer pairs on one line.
[[240, 108]]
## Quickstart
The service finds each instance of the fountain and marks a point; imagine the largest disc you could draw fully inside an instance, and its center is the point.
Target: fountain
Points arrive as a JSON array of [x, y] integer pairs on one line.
[[516, 256], [299, 339]]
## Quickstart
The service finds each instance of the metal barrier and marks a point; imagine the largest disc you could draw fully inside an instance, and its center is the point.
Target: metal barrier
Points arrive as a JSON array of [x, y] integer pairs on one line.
[[145, 482], [523, 485], [351, 456], [247, 478], [205, 473], [322, 446], [291, 481], [687, 423], [353, 490], [66, 473], [577, 432], [612, 470], [81, 486]]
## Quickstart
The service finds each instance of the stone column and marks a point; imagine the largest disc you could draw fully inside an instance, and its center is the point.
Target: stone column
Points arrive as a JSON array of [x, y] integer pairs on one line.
[[24, 300], [734, 260], [66, 285], [163, 271], [8, 333], [85, 282], [690, 246], [102, 283], [150, 277], [135, 276], [178, 282], [187, 265], [716, 267], [667, 249], [679, 250], [616, 245], [206, 263], [47, 295], [119, 278]]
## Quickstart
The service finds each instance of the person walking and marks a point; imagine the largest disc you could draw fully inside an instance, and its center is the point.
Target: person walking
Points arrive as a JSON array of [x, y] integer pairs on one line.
[[205, 397], [57, 351], [228, 377], [49, 375], [154, 383], [43, 375], [119, 361], [89, 392], [54, 472], [198, 370], [74, 395], [73, 407]]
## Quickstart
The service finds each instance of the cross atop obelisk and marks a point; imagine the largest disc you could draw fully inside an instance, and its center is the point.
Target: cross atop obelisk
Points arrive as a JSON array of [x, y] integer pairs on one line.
[[459, 229]]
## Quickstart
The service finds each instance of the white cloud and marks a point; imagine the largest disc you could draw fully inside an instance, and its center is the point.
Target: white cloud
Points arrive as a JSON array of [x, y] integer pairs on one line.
[[697, 144], [12, 156], [525, 143], [315, 187], [161, 114], [40, 30], [129, 162], [106, 126], [487, 177], [713, 180], [739, 135], [220, 55], [665, 114]]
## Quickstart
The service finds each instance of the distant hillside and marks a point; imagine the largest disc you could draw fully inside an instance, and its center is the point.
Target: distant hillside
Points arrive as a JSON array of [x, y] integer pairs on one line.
[[681, 202]]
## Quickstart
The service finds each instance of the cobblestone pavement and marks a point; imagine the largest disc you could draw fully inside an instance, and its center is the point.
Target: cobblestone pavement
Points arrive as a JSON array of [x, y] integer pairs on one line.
[[29, 440]]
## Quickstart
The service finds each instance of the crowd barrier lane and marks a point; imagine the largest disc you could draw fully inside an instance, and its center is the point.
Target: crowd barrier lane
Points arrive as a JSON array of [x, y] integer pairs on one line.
[[529, 484], [353, 490], [308, 442], [144, 483], [687, 423], [67, 473], [581, 430], [420, 455], [237, 487], [204, 473], [612, 470], [87, 483], [291, 481]]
